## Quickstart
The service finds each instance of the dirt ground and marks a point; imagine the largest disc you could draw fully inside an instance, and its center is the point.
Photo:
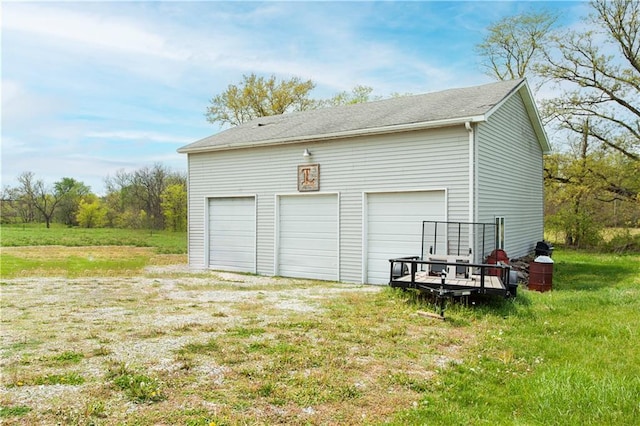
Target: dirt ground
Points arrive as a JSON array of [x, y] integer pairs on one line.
[[142, 320]]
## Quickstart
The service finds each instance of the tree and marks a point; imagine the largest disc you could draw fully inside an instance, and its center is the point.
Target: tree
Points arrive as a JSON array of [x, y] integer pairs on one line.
[[128, 193], [596, 73], [515, 44], [174, 207], [15, 206], [572, 189], [601, 68], [43, 199], [358, 94], [259, 97], [68, 207], [91, 213]]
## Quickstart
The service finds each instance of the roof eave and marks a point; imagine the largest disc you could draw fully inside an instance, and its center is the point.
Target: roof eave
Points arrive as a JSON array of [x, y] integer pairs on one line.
[[339, 135], [538, 127], [532, 110]]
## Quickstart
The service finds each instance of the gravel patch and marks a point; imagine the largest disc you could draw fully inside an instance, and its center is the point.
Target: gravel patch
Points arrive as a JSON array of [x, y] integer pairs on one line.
[[140, 321]]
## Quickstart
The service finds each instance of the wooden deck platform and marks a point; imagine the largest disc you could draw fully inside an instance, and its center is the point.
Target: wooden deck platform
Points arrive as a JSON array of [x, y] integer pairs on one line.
[[490, 282], [449, 277]]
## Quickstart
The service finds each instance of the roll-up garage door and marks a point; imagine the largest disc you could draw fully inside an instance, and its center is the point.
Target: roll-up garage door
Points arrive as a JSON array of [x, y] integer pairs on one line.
[[232, 234], [308, 236], [394, 227]]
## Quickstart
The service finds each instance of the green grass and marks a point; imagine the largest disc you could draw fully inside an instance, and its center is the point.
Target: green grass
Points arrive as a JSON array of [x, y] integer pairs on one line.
[[67, 357], [138, 387], [70, 266], [34, 250], [565, 357], [15, 411], [165, 242], [70, 379]]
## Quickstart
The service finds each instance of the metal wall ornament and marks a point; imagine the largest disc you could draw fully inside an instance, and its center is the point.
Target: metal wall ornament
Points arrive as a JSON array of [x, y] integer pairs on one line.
[[309, 177]]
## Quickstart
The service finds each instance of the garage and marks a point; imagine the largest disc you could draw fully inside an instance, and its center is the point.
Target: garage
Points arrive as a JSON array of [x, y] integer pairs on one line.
[[232, 234], [308, 236], [334, 193], [394, 227]]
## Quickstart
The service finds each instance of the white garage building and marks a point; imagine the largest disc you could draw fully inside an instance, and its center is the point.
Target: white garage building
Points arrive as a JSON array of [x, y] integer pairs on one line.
[[332, 194]]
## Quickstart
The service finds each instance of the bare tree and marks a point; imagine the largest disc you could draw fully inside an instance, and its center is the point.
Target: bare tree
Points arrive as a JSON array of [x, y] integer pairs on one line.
[[601, 68], [45, 200], [515, 44]]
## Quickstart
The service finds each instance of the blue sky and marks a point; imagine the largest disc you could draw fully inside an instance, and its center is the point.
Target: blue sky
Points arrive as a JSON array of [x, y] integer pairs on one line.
[[90, 88]]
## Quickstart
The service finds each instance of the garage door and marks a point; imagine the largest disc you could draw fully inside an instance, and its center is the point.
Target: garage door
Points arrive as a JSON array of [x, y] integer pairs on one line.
[[394, 227], [308, 237], [232, 235]]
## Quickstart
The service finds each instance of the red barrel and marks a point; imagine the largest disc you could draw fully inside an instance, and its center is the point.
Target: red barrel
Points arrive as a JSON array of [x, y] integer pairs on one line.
[[541, 274], [498, 255]]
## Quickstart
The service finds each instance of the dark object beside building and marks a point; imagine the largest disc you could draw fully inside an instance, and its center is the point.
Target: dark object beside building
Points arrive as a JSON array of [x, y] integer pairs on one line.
[[543, 248]]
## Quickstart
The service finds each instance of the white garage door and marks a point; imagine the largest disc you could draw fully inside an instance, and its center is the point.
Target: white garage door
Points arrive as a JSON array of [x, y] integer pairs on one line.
[[308, 237], [232, 234], [394, 227]]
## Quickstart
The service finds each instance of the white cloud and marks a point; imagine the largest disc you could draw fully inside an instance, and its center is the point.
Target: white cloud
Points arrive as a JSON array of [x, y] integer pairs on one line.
[[86, 28]]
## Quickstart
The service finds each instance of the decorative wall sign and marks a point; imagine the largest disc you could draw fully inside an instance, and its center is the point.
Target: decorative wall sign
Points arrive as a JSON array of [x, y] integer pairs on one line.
[[309, 177]]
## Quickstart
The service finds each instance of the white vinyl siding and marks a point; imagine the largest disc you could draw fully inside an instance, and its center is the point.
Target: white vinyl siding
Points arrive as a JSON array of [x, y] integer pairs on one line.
[[416, 160], [232, 234], [394, 227], [509, 177], [307, 242]]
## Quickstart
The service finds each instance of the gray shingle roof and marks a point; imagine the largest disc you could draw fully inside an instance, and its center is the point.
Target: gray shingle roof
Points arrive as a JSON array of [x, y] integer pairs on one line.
[[428, 110]]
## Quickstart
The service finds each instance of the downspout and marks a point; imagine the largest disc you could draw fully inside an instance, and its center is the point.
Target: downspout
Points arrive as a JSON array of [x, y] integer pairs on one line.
[[469, 127]]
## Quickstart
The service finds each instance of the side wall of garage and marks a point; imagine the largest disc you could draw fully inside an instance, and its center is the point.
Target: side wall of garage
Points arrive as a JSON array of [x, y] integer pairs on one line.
[[510, 182], [350, 171]]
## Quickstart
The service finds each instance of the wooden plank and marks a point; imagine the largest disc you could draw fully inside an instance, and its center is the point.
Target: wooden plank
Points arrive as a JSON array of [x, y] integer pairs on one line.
[[430, 315], [490, 281]]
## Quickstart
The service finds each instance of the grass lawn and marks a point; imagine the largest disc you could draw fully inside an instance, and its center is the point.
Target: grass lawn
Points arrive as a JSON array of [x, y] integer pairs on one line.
[[117, 345], [38, 235], [569, 356]]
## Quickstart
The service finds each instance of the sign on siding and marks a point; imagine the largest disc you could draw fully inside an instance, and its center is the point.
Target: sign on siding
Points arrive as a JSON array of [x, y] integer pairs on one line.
[[309, 177]]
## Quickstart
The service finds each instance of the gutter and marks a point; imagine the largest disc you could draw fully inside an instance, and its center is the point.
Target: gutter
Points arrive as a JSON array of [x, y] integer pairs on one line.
[[472, 139], [337, 135]]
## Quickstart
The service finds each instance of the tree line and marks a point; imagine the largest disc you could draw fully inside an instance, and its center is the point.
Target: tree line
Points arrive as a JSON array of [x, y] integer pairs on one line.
[[152, 197]]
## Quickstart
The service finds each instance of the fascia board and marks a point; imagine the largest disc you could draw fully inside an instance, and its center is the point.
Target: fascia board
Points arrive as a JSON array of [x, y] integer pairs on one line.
[[340, 135], [532, 111]]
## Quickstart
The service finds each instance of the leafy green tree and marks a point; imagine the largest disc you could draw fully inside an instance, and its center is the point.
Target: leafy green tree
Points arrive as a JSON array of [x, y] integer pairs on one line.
[[259, 97], [91, 213], [358, 94], [68, 207], [174, 207], [128, 193], [574, 214]]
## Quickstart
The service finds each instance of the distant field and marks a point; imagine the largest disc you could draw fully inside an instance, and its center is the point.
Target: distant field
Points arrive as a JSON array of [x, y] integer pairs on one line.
[[38, 235], [557, 237]]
